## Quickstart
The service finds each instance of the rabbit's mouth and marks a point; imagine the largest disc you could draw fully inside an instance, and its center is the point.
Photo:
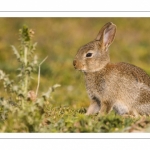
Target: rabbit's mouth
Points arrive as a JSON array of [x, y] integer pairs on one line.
[[80, 69]]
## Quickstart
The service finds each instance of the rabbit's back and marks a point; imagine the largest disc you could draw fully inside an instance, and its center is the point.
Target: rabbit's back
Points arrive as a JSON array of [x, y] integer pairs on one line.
[[132, 72]]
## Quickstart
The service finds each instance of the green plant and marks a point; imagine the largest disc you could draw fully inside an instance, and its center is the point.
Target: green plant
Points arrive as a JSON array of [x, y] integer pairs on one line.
[[22, 109], [18, 89]]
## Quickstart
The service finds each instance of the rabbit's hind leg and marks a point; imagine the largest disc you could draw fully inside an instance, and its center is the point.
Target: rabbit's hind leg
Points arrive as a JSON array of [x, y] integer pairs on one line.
[[120, 108], [123, 110]]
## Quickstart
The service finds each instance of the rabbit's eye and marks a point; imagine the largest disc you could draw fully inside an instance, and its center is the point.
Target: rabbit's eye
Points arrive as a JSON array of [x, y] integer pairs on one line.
[[88, 54]]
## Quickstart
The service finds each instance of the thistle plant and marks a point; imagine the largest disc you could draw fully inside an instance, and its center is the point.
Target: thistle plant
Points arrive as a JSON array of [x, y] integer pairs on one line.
[[26, 58], [27, 65], [21, 105]]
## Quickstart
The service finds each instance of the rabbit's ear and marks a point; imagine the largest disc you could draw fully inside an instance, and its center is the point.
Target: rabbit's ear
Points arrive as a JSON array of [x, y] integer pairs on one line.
[[106, 34]]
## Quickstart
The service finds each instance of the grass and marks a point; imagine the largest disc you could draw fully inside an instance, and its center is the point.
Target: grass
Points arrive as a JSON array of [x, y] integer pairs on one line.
[[64, 109]]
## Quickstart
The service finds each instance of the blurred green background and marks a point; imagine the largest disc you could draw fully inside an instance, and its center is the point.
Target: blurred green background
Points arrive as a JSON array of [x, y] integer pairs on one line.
[[60, 38]]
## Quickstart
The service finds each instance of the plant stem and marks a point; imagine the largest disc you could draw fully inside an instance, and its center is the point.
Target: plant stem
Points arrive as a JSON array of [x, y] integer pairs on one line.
[[39, 72], [26, 75]]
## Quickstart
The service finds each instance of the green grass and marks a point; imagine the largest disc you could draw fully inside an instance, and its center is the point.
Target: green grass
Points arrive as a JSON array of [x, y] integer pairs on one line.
[[59, 39]]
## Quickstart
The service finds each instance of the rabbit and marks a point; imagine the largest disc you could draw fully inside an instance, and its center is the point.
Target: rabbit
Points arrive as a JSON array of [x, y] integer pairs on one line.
[[122, 87]]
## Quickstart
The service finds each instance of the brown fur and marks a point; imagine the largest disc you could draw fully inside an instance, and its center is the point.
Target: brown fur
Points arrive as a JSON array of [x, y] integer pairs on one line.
[[121, 86]]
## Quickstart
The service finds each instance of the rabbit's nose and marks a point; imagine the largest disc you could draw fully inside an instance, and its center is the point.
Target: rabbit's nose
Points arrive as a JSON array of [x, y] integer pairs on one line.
[[74, 63]]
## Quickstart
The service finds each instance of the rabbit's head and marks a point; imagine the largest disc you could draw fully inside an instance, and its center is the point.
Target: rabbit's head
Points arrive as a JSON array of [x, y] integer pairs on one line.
[[94, 55]]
